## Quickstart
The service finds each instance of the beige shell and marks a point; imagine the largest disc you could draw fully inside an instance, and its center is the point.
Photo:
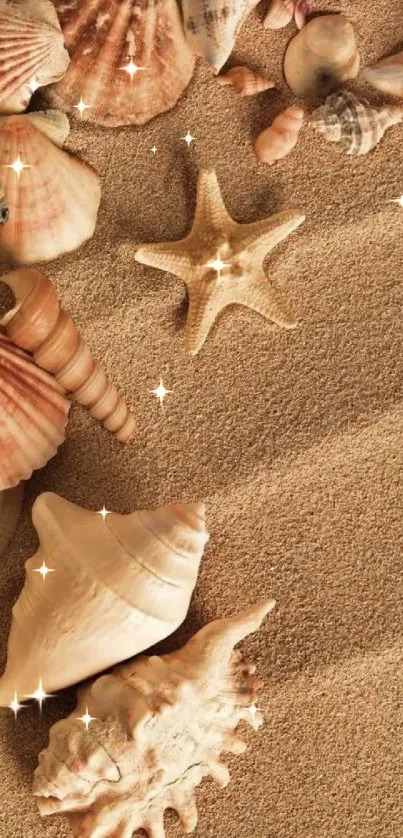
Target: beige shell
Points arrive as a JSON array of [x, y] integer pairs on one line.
[[10, 505], [245, 81], [32, 51], [119, 585], [280, 138], [321, 57], [33, 415], [211, 26], [387, 75], [300, 12], [37, 323], [107, 41], [356, 124], [160, 726], [53, 201], [280, 14]]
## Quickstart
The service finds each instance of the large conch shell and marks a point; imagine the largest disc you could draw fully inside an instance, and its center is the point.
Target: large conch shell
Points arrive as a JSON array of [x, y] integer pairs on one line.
[[245, 81], [33, 415], [120, 584], [387, 75], [10, 506], [52, 197], [356, 124], [212, 26], [280, 138], [321, 57], [160, 725], [129, 59], [37, 323], [32, 51]]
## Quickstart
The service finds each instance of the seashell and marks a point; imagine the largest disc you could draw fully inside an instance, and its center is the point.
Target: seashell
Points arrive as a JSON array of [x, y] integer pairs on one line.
[[107, 42], [52, 197], [245, 81], [37, 323], [387, 75], [300, 12], [32, 51], [321, 57], [160, 725], [280, 14], [33, 415], [123, 583], [280, 138], [10, 506], [211, 27], [357, 125]]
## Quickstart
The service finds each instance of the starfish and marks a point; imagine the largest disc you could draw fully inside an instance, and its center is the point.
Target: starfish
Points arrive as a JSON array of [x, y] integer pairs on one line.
[[221, 262]]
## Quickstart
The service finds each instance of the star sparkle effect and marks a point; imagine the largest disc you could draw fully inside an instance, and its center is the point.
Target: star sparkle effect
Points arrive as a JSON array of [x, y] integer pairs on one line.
[[103, 512], [40, 695], [154, 149], [131, 68], [33, 85], [160, 392], [86, 718], [188, 139], [44, 570], [81, 106], [18, 166], [15, 705], [398, 201], [218, 265]]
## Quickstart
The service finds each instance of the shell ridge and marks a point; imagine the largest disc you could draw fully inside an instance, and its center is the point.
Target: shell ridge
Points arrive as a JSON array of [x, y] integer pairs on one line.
[[137, 559]]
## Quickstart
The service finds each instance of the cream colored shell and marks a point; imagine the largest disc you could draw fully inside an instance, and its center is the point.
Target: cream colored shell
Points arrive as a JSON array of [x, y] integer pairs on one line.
[[321, 57]]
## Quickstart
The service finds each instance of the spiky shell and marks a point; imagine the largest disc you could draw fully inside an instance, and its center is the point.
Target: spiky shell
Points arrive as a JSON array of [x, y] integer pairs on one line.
[[356, 124], [387, 75], [32, 51], [280, 138], [53, 201], [33, 415], [122, 584], [10, 505], [105, 39], [321, 57], [211, 26], [245, 81], [161, 726]]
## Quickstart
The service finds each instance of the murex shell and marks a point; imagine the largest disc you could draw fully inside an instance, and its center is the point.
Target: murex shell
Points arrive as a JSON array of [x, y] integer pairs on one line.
[[321, 57], [107, 40], [53, 201], [10, 505], [356, 124], [32, 51], [120, 585], [387, 75], [160, 725], [33, 415], [212, 26]]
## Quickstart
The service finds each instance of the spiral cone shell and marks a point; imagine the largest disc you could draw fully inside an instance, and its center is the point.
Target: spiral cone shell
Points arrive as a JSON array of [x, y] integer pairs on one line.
[[280, 138], [387, 75], [161, 724], [10, 505], [245, 81], [356, 124], [321, 57]]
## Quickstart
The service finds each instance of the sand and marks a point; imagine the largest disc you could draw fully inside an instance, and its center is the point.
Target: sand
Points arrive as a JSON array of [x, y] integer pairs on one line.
[[293, 439]]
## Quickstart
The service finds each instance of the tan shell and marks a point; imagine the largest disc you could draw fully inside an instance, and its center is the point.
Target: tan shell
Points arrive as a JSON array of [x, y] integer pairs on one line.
[[245, 81], [39, 324], [161, 726], [356, 124], [32, 51], [103, 38], [321, 57], [280, 14], [53, 202], [280, 138], [212, 26], [119, 585], [33, 415], [387, 75], [300, 12], [10, 506]]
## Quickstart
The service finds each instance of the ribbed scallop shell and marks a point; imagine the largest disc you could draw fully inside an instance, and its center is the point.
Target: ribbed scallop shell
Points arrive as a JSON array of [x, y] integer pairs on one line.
[[32, 51], [53, 201], [245, 81], [280, 14], [387, 75], [106, 36], [33, 415], [10, 505], [356, 124], [161, 724], [122, 584]]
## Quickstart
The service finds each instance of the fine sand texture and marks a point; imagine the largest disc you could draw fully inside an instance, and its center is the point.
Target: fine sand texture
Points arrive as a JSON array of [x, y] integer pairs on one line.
[[294, 439]]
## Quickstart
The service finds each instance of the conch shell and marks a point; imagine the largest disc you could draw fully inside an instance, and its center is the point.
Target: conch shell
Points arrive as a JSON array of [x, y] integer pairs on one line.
[[356, 124], [52, 197], [10, 506], [245, 81], [32, 51], [160, 725], [39, 324], [129, 59], [33, 415], [280, 138], [281, 13], [321, 57], [121, 584], [387, 75], [212, 26]]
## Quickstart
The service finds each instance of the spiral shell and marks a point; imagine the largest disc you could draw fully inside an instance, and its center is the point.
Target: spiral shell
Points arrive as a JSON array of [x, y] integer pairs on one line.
[[356, 124], [245, 81], [280, 138]]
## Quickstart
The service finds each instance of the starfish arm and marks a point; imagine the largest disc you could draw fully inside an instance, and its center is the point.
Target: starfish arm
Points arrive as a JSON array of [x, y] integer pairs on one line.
[[206, 301], [262, 236], [260, 295], [211, 211], [166, 256]]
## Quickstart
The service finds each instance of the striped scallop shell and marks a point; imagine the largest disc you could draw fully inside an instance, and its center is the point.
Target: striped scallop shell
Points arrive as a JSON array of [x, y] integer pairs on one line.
[[356, 124], [33, 415], [32, 51], [280, 14]]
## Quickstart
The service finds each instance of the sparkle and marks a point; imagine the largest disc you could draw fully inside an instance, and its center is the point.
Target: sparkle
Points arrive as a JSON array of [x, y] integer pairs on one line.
[[188, 139], [153, 149], [81, 106], [104, 512], [254, 711], [33, 85], [86, 719], [39, 695], [18, 166], [44, 570], [397, 201], [218, 265], [160, 392], [15, 705], [131, 68]]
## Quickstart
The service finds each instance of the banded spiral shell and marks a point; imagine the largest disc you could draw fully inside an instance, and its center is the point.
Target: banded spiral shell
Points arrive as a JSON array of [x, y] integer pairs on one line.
[[387, 75], [280, 138], [356, 124], [246, 82], [10, 505], [122, 584], [161, 724], [321, 57]]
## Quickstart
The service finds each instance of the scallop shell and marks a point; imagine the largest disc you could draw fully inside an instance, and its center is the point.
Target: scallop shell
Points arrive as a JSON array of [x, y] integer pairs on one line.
[[280, 138], [32, 51], [53, 200], [245, 81], [107, 41], [10, 506], [356, 124], [39, 324], [33, 415], [387, 75], [160, 725], [212, 26], [123, 583], [280, 14], [321, 57]]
